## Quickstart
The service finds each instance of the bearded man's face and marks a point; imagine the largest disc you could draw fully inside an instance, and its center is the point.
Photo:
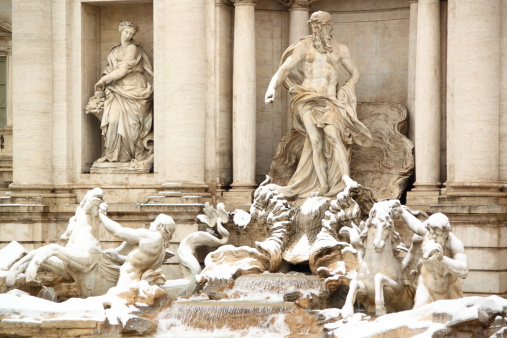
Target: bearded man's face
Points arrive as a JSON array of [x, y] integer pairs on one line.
[[321, 36]]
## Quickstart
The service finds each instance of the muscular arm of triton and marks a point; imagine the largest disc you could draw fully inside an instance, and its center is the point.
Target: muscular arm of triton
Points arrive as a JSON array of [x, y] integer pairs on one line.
[[129, 235], [412, 222], [458, 264], [284, 70]]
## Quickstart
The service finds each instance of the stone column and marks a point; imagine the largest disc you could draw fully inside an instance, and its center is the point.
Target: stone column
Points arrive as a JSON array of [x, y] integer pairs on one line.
[[412, 56], [244, 96], [299, 15], [32, 93], [427, 105]]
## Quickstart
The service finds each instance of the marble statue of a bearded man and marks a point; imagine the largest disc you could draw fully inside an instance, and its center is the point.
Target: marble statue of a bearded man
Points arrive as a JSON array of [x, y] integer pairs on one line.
[[323, 111]]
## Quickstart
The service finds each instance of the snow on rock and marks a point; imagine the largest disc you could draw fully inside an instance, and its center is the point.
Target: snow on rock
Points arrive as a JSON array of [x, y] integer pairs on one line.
[[10, 254], [18, 306], [426, 320], [116, 305], [228, 260]]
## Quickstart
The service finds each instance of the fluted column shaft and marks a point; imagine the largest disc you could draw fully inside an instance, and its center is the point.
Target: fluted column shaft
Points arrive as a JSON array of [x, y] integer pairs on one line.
[[427, 95], [244, 95]]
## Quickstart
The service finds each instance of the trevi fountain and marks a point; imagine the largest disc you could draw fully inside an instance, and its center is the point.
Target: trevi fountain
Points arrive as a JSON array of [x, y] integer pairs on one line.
[[325, 246]]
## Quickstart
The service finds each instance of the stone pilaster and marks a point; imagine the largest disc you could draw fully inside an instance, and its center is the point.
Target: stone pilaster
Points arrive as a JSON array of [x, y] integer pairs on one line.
[[32, 93], [244, 96], [427, 105], [473, 200], [180, 90]]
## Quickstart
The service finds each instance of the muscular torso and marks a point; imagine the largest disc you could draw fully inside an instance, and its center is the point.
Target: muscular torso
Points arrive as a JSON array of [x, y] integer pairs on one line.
[[321, 70], [149, 254]]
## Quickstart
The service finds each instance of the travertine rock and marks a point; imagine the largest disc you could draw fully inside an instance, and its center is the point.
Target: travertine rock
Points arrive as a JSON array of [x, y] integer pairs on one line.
[[385, 167]]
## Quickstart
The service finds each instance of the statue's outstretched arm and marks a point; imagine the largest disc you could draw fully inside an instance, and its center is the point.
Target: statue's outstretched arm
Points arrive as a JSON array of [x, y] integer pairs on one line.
[[284, 70], [129, 235], [412, 222]]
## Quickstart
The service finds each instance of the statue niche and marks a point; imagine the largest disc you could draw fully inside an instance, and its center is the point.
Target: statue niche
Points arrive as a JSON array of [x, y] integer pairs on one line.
[[123, 103]]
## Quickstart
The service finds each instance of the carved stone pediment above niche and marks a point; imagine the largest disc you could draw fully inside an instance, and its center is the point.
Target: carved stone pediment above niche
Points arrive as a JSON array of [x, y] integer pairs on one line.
[[297, 3]]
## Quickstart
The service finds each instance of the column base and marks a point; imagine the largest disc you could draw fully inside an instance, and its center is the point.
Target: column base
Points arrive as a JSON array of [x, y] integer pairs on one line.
[[239, 197], [244, 186], [424, 195]]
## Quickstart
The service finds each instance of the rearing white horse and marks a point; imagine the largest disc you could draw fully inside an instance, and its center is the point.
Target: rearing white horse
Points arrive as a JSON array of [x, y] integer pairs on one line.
[[383, 283], [81, 259]]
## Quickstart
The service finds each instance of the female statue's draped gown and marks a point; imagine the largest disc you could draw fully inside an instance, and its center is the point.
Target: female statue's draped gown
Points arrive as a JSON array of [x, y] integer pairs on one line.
[[128, 117]]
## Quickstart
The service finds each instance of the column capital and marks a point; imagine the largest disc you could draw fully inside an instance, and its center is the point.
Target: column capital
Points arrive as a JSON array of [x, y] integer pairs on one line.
[[243, 2], [305, 4]]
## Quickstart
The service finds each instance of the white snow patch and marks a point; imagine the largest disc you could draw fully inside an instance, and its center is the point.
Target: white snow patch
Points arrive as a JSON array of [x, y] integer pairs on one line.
[[313, 204], [458, 310], [241, 218], [11, 253]]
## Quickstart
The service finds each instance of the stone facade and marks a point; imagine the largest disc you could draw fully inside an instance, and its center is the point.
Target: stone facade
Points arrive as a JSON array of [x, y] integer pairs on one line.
[[214, 138]]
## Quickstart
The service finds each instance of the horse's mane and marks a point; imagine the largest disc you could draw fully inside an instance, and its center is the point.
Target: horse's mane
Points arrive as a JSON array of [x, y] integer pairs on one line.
[[395, 238]]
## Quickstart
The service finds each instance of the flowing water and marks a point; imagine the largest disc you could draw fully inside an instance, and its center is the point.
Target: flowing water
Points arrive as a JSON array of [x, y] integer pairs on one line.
[[258, 310], [275, 284]]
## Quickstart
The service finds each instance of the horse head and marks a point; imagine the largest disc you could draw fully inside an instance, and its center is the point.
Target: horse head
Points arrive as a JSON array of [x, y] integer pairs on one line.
[[88, 211], [380, 226]]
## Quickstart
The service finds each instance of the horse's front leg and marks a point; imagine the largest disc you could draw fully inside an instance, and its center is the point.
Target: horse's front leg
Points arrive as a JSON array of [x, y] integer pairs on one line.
[[356, 287], [380, 282], [20, 266], [78, 259]]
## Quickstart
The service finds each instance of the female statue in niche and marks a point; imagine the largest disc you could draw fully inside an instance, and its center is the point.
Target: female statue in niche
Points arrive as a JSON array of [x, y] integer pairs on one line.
[[127, 84]]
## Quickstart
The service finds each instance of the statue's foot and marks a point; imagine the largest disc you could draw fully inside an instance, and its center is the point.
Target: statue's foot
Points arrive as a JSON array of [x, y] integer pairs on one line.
[[349, 182], [101, 160]]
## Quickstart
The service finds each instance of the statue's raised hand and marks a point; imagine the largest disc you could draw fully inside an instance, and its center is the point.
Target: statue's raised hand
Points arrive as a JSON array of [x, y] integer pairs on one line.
[[270, 95]]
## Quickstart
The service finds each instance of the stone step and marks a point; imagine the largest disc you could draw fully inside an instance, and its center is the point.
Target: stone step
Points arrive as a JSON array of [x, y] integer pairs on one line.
[[181, 199], [21, 200]]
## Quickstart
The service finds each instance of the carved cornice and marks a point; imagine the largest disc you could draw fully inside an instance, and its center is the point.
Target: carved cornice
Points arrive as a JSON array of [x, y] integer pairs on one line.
[[223, 2], [6, 27], [297, 3]]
